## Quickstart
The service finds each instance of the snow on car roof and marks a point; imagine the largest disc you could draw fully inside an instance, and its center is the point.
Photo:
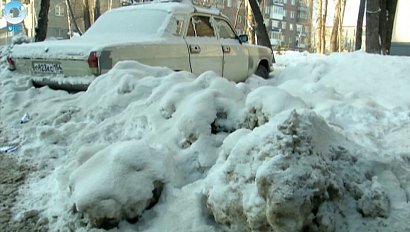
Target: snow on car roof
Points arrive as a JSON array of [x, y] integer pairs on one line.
[[181, 7]]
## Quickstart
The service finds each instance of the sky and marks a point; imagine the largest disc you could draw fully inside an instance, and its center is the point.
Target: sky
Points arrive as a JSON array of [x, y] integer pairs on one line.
[[352, 10]]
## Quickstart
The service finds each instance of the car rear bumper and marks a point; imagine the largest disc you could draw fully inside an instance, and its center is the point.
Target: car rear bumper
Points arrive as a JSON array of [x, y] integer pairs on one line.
[[64, 83]]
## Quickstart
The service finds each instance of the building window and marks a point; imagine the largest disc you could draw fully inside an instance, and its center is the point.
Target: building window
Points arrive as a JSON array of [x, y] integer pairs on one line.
[[229, 3], [59, 10], [277, 35], [275, 24], [299, 28], [284, 25], [302, 15], [291, 27], [292, 14], [277, 10], [266, 10], [293, 2], [285, 1], [285, 13]]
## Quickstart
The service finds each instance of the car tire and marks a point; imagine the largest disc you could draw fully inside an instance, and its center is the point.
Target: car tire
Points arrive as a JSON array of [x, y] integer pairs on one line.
[[262, 71]]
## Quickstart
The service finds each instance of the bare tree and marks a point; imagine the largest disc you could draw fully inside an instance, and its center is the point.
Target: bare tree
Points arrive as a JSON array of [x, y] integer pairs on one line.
[[97, 10], [250, 23], [261, 32], [372, 26], [379, 25], [319, 27], [42, 23], [336, 37], [86, 14], [109, 5], [383, 26], [309, 25], [73, 19], [335, 30], [238, 9], [388, 10], [359, 26], [324, 17], [391, 12], [341, 20]]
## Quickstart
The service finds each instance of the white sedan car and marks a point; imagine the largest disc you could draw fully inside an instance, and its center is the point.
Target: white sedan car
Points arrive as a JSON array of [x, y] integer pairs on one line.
[[175, 35]]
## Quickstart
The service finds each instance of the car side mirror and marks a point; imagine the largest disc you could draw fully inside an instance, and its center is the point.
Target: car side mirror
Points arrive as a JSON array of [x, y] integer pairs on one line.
[[243, 38]]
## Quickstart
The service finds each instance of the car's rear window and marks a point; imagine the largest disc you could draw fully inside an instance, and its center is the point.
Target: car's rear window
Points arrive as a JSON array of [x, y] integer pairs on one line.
[[116, 23]]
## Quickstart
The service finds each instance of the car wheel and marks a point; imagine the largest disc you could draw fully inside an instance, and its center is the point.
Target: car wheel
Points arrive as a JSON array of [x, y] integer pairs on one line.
[[262, 71]]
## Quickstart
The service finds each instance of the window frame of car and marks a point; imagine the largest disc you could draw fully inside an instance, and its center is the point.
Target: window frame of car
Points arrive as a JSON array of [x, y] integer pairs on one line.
[[214, 25], [199, 17], [180, 21], [224, 20]]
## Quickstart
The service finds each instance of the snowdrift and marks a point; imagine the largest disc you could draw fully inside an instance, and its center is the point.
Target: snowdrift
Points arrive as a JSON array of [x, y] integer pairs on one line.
[[298, 177], [321, 146]]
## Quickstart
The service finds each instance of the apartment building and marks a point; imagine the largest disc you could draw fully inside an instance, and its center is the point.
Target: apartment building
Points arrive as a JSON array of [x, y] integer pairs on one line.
[[286, 21], [235, 10], [57, 21]]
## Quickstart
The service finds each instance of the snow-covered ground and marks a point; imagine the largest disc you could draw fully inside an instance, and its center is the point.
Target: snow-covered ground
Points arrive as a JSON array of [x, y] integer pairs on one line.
[[323, 145]]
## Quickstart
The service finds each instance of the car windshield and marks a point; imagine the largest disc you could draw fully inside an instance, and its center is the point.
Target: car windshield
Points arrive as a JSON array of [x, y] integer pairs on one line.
[[120, 23]]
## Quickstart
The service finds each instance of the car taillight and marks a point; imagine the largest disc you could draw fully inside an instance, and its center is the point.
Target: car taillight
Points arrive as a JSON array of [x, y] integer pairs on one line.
[[93, 60], [11, 63], [93, 63]]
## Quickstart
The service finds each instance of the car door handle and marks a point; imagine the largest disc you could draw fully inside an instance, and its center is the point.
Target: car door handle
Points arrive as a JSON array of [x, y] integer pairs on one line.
[[194, 48], [226, 49]]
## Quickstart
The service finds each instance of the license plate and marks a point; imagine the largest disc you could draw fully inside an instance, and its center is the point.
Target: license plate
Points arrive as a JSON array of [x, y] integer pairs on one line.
[[47, 67]]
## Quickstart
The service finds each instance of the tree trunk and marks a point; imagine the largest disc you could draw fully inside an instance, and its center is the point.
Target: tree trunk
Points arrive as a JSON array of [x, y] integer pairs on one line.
[[359, 26], [261, 32], [110, 5], [86, 15], [372, 26], [319, 27], [335, 30], [72, 17], [237, 14], [391, 9], [70, 30], [310, 25], [42, 23], [383, 26], [342, 17], [324, 28], [97, 10], [250, 29]]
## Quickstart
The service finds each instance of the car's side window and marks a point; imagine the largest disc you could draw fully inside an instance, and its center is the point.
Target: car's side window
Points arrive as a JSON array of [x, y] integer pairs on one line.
[[224, 30], [200, 26], [176, 25]]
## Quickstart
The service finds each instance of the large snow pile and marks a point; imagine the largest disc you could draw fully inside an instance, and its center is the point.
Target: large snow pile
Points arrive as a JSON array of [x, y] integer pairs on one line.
[[321, 146], [298, 177], [118, 182]]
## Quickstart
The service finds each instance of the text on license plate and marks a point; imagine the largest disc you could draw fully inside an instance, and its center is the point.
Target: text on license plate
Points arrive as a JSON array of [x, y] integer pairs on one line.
[[47, 67]]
